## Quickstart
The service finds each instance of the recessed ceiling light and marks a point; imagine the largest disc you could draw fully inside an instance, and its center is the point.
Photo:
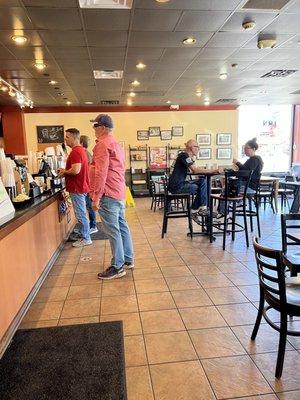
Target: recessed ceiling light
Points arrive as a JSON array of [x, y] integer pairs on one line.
[[223, 76], [162, 1], [135, 83], [140, 65], [189, 40], [40, 65], [68, 103], [132, 94], [235, 65], [206, 102], [19, 39], [168, 102], [52, 82], [198, 93], [88, 102], [129, 102], [248, 25]]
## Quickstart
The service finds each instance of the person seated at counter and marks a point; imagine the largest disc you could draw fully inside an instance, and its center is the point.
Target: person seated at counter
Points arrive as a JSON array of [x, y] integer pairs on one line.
[[254, 163], [185, 162]]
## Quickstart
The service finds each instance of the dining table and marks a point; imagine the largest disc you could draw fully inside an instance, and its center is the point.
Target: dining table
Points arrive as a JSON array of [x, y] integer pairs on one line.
[[296, 201], [276, 180]]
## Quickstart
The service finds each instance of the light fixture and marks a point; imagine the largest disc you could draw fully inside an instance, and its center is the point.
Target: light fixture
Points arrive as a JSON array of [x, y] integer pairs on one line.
[[234, 65], [140, 65], [248, 25], [168, 102], [206, 101], [223, 76], [189, 40], [162, 1], [52, 82], [15, 93], [198, 93], [135, 83], [68, 103], [19, 39], [88, 102], [132, 94], [266, 43], [40, 65], [129, 102]]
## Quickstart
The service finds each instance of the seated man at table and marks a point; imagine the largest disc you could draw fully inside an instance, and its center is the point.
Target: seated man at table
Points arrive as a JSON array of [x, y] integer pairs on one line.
[[178, 184]]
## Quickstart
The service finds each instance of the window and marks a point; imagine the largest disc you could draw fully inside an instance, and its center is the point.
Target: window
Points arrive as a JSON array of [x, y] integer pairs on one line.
[[272, 126]]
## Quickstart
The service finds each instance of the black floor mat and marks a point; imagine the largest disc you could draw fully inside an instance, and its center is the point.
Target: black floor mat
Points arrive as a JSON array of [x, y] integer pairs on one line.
[[77, 362]]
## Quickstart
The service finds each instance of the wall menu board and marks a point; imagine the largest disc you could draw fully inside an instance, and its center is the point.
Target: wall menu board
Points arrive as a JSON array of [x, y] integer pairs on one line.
[[50, 134]]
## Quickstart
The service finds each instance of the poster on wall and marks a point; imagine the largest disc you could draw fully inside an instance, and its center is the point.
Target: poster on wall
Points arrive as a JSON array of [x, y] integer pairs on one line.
[[166, 135], [177, 130], [50, 134], [158, 158]]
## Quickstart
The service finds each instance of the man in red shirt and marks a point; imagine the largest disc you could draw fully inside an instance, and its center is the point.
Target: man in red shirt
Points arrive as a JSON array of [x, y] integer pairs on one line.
[[107, 174], [77, 184]]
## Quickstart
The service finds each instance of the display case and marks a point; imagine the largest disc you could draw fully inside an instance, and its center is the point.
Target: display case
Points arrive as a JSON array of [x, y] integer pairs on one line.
[[138, 157]]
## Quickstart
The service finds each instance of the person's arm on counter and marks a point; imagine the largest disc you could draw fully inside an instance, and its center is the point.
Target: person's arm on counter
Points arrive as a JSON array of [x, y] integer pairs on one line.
[[74, 170]]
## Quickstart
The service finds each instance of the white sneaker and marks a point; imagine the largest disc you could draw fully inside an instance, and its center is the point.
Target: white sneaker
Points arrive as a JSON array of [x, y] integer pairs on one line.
[[93, 230], [82, 242]]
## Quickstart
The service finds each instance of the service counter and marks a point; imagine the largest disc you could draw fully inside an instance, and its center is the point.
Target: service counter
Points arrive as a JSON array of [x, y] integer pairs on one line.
[[30, 241]]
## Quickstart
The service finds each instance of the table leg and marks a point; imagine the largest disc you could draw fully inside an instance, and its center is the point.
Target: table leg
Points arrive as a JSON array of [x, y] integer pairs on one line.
[[296, 201], [276, 187]]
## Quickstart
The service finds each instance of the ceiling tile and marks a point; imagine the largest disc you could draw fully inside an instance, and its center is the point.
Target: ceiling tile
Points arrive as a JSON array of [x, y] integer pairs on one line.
[[155, 20], [252, 44], [63, 38], [99, 52], [5, 54], [107, 39], [189, 4], [55, 18], [293, 8], [222, 39], [234, 24], [285, 23], [33, 38], [202, 21], [108, 63], [30, 52], [106, 20], [216, 53], [69, 53], [51, 3], [166, 39], [175, 54], [14, 18]]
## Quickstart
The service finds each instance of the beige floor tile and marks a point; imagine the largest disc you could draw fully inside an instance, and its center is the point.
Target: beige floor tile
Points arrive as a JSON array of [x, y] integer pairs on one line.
[[144, 254], [222, 257], [216, 342], [251, 292], [204, 269], [117, 288], [81, 308], [138, 383], [266, 340], [131, 322], [259, 397], [213, 280], [62, 270], [44, 311], [230, 268], [146, 263], [38, 324], [196, 260], [294, 395], [151, 286], [165, 253], [155, 301], [169, 347], [78, 321], [290, 379], [191, 298], [84, 292], [135, 353], [176, 271], [170, 261], [202, 317], [51, 294], [119, 304], [88, 268], [183, 283], [54, 280], [67, 259], [226, 295], [147, 273], [161, 321], [243, 278], [180, 381], [230, 377], [238, 314], [85, 279]]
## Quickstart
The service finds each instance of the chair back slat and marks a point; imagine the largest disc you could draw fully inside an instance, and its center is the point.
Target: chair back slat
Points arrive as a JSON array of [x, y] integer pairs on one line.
[[285, 227]]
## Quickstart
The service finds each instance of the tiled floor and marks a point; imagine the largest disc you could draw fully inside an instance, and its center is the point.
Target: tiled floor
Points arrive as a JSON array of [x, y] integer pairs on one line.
[[188, 310]]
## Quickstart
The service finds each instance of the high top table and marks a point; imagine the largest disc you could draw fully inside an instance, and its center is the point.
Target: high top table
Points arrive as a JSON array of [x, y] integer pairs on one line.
[[296, 202]]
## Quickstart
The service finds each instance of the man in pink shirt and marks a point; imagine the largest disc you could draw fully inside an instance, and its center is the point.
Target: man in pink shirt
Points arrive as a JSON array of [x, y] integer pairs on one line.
[[107, 191]]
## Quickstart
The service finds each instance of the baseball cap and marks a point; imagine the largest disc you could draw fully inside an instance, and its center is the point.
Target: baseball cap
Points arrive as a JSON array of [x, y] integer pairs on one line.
[[104, 120]]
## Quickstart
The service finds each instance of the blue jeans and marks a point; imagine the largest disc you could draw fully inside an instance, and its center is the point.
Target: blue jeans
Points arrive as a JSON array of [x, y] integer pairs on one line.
[[198, 187], [92, 213], [112, 213], [78, 201]]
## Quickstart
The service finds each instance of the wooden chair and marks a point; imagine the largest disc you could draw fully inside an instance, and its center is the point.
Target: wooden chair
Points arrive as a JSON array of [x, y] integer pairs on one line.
[[157, 194], [279, 293], [290, 236], [285, 191], [265, 193]]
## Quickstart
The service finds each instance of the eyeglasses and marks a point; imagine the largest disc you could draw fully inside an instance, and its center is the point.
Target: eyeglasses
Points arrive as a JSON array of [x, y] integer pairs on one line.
[[96, 125]]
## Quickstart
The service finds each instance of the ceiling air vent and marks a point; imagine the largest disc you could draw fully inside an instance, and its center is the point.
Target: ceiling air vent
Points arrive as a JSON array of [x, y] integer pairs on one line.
[[111, 4], [279, 73], [109, 102], [226, 101], [265, 5], [108, 74]]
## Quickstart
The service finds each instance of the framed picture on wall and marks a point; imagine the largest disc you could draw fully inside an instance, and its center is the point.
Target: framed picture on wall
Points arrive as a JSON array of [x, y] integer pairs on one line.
[[224, 153], [154, 131], [223, 139], [177, 130], [166, 135], [204, 154], [142, 135], [203, 139]]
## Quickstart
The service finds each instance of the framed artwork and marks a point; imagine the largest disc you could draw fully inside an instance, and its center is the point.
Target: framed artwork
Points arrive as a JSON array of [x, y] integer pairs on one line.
[[157, 157], [223, 139], [142, 135], [166, 135], [50, 134], [224, 154], [154, 131], [204, 154], [203, 139], [177, 130]]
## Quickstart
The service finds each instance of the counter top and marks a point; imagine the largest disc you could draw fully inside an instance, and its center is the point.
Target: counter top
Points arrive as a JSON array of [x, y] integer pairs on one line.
[[20, 216]]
